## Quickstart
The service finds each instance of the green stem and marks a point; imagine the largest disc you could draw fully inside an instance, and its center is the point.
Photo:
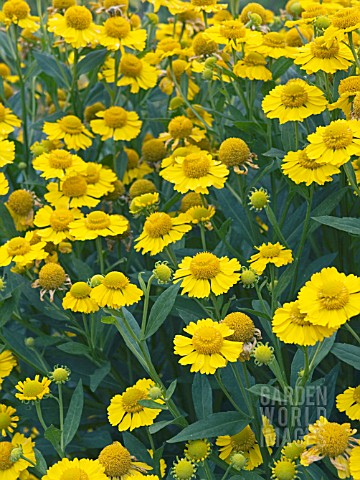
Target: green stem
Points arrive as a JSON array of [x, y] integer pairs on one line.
[[61, 414], [40, 415], [28, 460], [227, 471], [100, 255], [274, 223], [226, 393], [203, 239], [151, 440], [244, 393], [352, 48], [171, 255], [74, 89], [353, 333], [146, 305]]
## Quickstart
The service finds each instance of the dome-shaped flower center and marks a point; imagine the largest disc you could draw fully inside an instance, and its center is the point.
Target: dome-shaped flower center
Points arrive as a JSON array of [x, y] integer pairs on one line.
[[97, 220], [5, 451], [52, 276], [168, 45], [203, 45], [356, 395], [263, 354], [203, 3], [313, 11], [233, 151], [18, 246], [178, 69], [116, 460], [294, 95], [75, 186], [204, 266], [78, 17], [115, 117], [16, 9], [32, 388], [60, 159], [117, 27], [294, 449], [130, 65], [285, 470], [254, 59], [80, 290], [21, 202], [131, 398], [180, 127], [274, 39], [233, 30], [307, 162], [270, 251], [197, 449], [5, 420], [60, 4], [337, 135], [297, 317], [333, 295], [92, 174], [346, 18], [349, 85], [207, 340], [243, 441], [133, 159], [200, 213], [71, 124], [115, 280], [184, 469], [196, 165], [158, 224], [60, 374], [2, 113], [319, 49], [259, 199], [74, 473], [243, 326], [60, 219], [332, 439]]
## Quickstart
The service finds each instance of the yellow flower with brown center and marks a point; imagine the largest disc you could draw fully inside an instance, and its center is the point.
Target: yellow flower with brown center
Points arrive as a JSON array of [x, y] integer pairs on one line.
[[349, 402], [7, 152], [127, 413], [20, 205], [98, 224], [116, 123], [253, 67], [116, 291], [14, 468], [160, 230], [120, 464], [75, 26], [243, 442], [32, 390], [116, 33], [17, 12], [8, 421], [83, 469], [21, 251], [71, 130], [330, 298], [271, 44], [8, 122], [331, 440], [205, 273], [53, 223], [294, 101], [78, 299], [73, 191], [208, 348], [57, 163], [270, 253]]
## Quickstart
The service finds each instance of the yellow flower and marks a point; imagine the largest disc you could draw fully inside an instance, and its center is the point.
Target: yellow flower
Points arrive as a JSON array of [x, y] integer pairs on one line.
[[8, 121], [253, 67], [73, 191], [12, 470], [120, 464], [160, 230], [182, 128], [196, 172], [21, 251], [53, 223], [201, 214], [208, 348], [18, 13], [302, 169], [134, 169], [331, 440], [116, 123], [7, 363], [98, 224], [251, 8], [294, 449], [78, 299], [268, 432], [33, 389], [330, 298], [284, 469], [275, 254], [140, 187], [243, 442], [75, 26], [205, 273], [349, 402], [7, 152], [355, 463], [197, 450], [21, 208], [116, 34], [271, 44], [346, 19], [4, 184], [183, 469], [335, 143], [145, 203], [8, 421], [208, 6], [234, 152], [292, 326], [71, 130], [231, 33], [125, 410], [57, 163], [83, 469], [99, 177], [294, 101], [116, 291]]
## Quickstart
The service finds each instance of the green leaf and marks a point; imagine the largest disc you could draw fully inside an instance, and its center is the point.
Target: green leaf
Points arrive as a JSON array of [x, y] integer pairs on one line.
[[98, 376], [109, 320], [223, 423], [56, 70], [345, 224], [281, 66], [267, 391], [73, 416], [156, 427], [92, 61], [288, 136], [74, 348], [53, 434], [152, 404], [202, 396], [349, 354], [161, 309], [171, 389], [41, 465]]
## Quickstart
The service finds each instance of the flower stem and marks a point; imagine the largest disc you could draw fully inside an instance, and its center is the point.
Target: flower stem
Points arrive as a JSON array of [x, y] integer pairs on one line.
[[146, 305], [61, 414], [100, 255], [353, 333]]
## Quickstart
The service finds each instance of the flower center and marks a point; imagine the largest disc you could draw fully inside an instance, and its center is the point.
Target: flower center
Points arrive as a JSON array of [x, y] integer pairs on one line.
[[203, 3], [333, 439], [60, 159], [294, 95], [356, 395], [297, 317], [307, 162], [32, 388], [274, 39], [207, 340], [60, 219], [2, 110], [75, 186], [78, 17], [195, 165], [168, 45], [158, 225], [200, 213], [285, 470], [92, 175], [74, 473], [232, 30], [70, 123], [349, 85], [5, 451], [313, 11], [115, 117], [52, 276], [243, 441], [115, 280], [337, 135], [80, 290], [116, 459], [97, 220], [184, 469], [18, 246], [346, 17], [334, 295], [243, 326], [319, 49], [130, 65], [5, 421], [254, 59], [117, 27], [21, 202], [198, 449], [270, 251], [180, 127], [205, 266], [131, 398], [16, 8]]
